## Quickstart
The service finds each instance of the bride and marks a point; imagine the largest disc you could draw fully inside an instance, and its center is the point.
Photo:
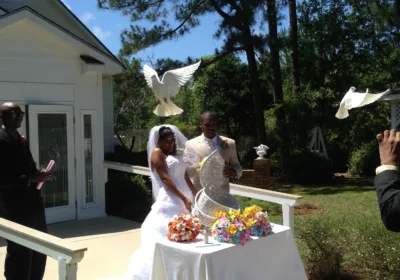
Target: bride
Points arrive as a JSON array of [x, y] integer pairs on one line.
[[172, 190]]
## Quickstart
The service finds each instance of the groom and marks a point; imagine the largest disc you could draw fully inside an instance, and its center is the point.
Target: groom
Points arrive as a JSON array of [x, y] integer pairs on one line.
[[202, 146]]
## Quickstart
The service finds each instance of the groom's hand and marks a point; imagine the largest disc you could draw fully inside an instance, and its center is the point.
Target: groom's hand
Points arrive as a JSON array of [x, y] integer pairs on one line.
[[229, 172]]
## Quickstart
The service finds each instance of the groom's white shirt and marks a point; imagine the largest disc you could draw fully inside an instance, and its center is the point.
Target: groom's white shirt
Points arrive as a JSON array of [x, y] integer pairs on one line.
[[212, 143], [200, 147]]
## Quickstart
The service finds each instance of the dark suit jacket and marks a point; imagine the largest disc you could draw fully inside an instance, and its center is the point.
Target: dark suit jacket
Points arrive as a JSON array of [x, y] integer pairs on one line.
[[387, 184], [16, 162], [19, 199]]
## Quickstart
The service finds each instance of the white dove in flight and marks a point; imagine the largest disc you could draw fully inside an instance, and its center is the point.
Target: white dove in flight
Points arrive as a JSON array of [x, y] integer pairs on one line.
[[353, 99], [168, 87]]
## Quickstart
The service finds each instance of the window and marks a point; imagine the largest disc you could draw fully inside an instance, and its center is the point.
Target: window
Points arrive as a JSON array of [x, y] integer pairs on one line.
[[88, 158]]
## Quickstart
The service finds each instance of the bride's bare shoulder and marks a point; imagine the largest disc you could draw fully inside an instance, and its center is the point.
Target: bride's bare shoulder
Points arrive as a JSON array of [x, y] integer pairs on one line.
[[157, 152]]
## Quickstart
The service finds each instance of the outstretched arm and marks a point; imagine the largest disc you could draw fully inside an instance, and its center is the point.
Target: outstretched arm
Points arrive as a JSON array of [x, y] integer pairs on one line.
[[190, 184], [235, 164]]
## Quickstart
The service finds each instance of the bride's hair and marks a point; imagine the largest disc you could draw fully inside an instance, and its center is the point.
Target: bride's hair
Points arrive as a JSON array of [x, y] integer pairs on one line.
[[163, 133]]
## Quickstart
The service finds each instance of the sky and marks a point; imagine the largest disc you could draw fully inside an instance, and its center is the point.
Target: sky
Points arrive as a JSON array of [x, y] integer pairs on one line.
[[107, 26]]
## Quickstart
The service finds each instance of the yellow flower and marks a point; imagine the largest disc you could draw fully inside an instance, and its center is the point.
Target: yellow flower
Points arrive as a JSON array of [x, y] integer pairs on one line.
[[234, 213], [213, 227], [252, 221], [247, 224], [252, 210], [231, 229], [199, 165], [220, 214]]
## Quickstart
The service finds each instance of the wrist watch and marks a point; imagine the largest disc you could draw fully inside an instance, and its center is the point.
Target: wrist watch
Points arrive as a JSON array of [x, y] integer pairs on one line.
[[385, 168]]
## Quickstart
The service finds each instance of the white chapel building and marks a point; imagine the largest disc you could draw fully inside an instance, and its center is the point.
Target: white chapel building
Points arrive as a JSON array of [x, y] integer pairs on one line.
[[61, 76]]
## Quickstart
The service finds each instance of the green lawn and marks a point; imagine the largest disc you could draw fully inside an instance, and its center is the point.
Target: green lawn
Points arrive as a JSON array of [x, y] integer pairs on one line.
[[345, 239]]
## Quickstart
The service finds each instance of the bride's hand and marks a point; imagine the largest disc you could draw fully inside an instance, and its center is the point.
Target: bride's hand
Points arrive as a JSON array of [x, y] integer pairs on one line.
[[188, 204]]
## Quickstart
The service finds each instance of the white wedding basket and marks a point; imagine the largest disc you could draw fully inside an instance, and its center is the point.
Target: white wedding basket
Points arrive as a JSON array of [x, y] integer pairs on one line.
[[212, 198]]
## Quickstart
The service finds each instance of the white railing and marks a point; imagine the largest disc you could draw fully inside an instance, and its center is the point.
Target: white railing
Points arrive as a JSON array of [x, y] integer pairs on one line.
[[67, 253], [288, 201]]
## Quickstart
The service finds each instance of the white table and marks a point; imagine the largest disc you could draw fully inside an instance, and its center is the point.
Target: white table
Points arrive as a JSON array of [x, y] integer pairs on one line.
[[274, 257]]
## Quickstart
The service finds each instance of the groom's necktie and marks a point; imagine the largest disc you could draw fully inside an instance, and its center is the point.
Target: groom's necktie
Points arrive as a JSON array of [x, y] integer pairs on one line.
[[211, 144]]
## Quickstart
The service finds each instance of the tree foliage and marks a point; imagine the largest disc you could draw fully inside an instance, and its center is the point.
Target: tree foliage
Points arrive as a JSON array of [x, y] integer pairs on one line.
[[341, 43], [237, 21]]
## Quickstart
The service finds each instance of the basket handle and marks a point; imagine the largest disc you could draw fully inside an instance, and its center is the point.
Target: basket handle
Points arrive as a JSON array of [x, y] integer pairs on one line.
[[195, 200], [197, 194], [198, 209]]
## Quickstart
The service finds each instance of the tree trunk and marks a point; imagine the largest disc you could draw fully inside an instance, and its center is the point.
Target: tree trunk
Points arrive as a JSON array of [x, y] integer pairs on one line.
[[277, 80], [274, 51], [255, 88], [132, 144], [294, 48]]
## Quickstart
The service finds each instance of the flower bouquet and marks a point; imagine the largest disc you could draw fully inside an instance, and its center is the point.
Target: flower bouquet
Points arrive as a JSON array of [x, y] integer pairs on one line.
[[230, 228], [256, 220], [183, 228]]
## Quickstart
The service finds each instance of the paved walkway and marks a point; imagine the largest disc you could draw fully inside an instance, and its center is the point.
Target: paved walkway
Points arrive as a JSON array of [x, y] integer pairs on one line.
[[110, 242]]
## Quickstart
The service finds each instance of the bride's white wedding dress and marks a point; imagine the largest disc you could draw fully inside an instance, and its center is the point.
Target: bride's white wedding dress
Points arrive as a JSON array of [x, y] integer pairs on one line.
[[155, 226]]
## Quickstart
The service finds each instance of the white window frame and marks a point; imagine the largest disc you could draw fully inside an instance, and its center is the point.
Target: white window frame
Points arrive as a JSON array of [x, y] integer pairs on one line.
[[93, 114]]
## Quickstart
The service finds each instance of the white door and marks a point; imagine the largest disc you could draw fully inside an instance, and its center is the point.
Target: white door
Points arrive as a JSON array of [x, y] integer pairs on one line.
[[51, 137]]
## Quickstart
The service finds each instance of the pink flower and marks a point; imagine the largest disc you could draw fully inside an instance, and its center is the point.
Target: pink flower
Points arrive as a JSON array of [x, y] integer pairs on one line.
[[226, 236], [243, 238], [222, 222]]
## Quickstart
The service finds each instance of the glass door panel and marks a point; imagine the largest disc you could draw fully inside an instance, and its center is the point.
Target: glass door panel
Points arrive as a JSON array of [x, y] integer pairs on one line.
[[53, 146], [51, 136]]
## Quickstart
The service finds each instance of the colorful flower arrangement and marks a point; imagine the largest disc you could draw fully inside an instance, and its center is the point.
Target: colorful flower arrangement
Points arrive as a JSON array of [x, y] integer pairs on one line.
[[230, 228], [183, 228], [256, 220], [236, 227]]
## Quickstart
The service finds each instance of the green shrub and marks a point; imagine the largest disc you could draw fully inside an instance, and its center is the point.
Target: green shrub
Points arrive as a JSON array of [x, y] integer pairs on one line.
[[128, 196], [276, 167], [122, 155], [309, 168], [365, 159]]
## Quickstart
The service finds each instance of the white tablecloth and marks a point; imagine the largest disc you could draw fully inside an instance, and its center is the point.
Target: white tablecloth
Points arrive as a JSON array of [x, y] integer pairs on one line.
[[274, 257]]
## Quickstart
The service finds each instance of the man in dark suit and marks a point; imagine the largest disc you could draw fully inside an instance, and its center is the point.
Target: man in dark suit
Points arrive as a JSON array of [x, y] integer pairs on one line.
[[20, 201], [387, 180]]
